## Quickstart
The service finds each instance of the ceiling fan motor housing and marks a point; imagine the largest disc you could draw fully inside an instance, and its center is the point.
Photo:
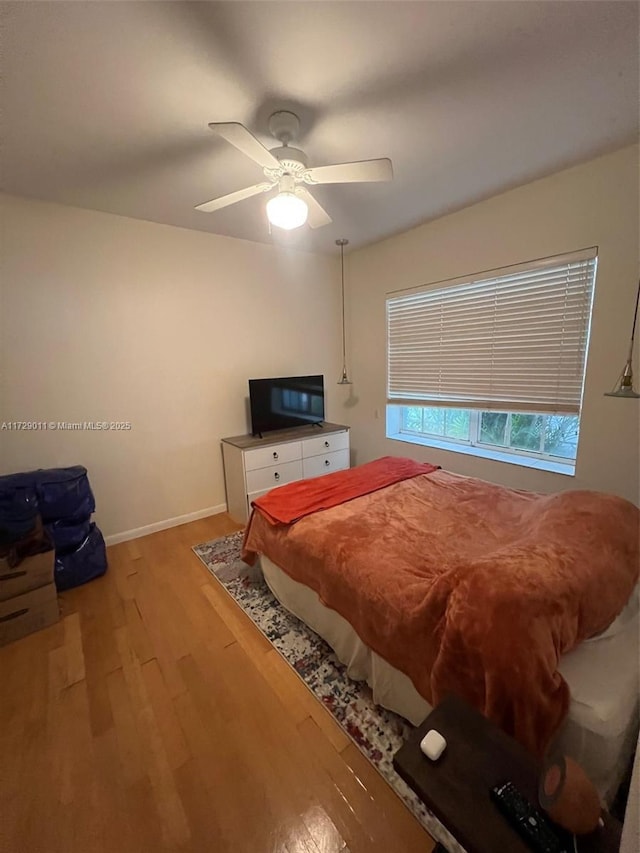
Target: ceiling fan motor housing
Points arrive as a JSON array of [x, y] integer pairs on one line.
[[291, 159], [285, 126]]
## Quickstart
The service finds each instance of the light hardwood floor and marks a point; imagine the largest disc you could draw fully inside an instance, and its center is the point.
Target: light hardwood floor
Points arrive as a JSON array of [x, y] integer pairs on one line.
[[155, 717]]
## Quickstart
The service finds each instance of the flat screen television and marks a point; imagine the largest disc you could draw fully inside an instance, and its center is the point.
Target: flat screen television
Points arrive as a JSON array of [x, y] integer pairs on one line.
[[287, 401]]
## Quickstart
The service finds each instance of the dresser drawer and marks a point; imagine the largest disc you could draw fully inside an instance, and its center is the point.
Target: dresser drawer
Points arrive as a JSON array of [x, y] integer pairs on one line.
[[275, 454], [274, 475], [325, 444], [314, 466], [253, 496]]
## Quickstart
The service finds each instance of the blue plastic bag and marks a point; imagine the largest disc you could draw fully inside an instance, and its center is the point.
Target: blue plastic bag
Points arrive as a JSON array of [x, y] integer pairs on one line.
[[18, 511], [69, 533], [85, 563], [63, 493], [60, 492]]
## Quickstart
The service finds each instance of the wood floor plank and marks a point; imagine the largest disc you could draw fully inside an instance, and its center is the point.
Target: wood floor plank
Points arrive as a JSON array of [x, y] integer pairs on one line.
[[239, 624], [301, 703], [138, 633], [24, 712], [392, 808], [69, 742], [100, 713], [164, 710], [132, 549], [323, 831], [158, 617], [73, 649], [121, 567], [251, 706], [58, 671], [204, 625], [373, 834], [284, 682], [206, 832], [156, 717], [143, 817], [97, 628], [238, 816], [129, 750], [173, 820], [113, 794]]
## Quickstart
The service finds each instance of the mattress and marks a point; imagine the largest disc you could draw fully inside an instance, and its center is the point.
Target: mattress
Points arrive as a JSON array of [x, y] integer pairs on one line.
[[600, 730]]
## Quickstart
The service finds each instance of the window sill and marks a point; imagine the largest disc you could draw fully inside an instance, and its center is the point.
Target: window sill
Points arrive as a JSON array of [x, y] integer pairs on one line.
[[568, 469]]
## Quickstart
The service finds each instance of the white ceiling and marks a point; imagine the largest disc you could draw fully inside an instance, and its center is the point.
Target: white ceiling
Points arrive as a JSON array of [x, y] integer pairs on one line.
[[106, 104]]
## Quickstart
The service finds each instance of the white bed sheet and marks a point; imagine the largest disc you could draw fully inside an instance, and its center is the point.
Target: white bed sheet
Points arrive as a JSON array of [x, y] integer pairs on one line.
[[601, 728]]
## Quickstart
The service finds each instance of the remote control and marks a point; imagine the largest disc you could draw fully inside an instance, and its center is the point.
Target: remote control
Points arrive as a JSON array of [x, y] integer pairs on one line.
[[533, 826]]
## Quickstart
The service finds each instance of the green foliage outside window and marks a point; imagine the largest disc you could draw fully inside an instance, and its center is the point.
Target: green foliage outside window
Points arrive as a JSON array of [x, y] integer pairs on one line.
[[534, 434]]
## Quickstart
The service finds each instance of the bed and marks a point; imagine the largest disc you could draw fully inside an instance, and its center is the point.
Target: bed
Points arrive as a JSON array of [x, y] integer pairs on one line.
[[423, 585]]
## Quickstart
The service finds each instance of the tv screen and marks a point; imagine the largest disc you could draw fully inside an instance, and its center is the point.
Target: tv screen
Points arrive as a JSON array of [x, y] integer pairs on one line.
[[287, 401]]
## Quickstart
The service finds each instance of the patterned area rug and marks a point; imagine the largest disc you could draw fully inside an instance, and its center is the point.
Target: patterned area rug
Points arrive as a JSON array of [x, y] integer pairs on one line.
[[378, 733]]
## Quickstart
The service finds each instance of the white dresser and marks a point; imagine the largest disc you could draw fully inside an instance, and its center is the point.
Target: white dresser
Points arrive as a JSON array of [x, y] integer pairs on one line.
[[253, 466]]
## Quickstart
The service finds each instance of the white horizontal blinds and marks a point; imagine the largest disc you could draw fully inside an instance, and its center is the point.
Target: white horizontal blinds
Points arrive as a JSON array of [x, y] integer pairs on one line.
[[515, 341]]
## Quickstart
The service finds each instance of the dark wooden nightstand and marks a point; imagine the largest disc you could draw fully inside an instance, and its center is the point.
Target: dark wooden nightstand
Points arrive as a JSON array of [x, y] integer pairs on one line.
[[456, 787]]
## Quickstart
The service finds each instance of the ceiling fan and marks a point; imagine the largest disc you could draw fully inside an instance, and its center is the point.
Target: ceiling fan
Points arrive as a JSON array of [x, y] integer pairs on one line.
[[285, 169]]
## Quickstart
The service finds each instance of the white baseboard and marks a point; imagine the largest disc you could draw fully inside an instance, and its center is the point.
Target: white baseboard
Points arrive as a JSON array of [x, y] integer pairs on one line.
[[137, 532]]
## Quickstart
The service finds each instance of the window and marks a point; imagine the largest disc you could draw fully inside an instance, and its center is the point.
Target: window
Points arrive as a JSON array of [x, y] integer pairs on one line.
[[494, 365], [543, 436]]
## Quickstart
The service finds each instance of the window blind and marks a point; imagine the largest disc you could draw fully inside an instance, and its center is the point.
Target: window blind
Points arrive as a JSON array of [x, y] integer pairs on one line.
[[513, 339]]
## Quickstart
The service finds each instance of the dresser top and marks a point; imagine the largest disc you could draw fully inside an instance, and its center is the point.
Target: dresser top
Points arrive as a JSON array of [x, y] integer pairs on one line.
[[281, 436]]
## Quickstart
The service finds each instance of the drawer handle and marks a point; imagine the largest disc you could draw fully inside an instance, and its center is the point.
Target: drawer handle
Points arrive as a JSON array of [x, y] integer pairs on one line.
[[277, 476], [14, 615], [11, 575], [275, 455], [326, 444], [326, 462]]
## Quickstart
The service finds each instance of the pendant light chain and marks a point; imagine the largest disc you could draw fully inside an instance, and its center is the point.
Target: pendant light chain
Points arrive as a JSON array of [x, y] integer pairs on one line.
[[344, 345], [344, 380], [635, 318], [624, 385]]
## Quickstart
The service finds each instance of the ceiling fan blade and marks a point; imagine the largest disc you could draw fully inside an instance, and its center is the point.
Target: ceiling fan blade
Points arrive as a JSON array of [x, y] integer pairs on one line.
[[238, 135], [232, 198], [318, 216], [347, 173]]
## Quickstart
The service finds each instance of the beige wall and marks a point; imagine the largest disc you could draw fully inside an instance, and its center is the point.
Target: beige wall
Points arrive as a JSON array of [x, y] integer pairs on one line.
[[114, 319], [592, 204]]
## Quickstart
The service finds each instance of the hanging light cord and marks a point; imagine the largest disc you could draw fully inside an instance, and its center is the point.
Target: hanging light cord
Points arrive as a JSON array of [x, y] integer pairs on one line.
[[624, 383], [635, 319], [344, 379], [344, 346]]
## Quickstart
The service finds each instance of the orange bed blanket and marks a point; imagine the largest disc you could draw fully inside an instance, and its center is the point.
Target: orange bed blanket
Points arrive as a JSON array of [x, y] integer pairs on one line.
[[295, 500], [469, 587]]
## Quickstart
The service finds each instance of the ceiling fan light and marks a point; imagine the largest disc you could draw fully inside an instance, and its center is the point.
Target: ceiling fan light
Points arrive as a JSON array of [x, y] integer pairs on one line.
[[287, 210]]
